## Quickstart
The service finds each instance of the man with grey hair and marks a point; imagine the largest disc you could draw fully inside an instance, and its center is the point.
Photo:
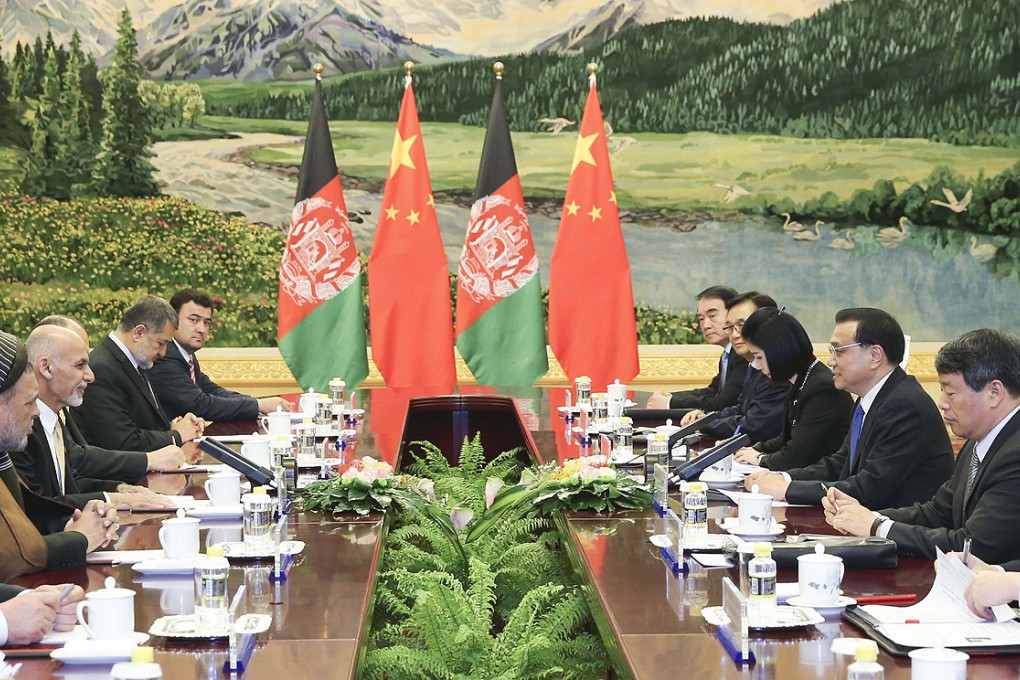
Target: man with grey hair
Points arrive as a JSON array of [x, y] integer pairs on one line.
[[979, 373], [120, 409], [37, 533], [48, 465]]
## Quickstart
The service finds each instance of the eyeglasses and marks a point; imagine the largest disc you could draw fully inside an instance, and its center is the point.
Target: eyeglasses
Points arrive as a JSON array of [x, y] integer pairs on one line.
[[730, 327], [835, 351]]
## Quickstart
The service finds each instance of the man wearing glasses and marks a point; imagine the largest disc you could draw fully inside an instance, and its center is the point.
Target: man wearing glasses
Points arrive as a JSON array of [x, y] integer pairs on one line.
[[897, 451], [725, 388]]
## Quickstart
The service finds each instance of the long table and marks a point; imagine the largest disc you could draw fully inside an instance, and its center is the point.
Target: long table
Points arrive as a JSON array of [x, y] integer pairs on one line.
[[649, 619]]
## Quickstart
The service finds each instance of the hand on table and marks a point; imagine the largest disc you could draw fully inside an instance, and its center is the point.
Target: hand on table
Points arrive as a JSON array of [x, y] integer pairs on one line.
[[67, 609], [771, 483], [169, 457], [746, 455], [659, 400], [133, 497], [30, 616], [192, 454], [691, 416], [97, 522], [269, 404], [189, 426]]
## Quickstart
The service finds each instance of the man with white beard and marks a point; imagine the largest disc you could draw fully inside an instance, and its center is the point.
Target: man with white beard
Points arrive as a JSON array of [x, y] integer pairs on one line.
[[50, 465]]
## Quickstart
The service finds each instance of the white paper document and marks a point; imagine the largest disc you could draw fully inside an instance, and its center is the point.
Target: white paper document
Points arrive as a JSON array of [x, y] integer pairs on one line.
[[944, 603], [123, 556], [953, 635], [713, 560]]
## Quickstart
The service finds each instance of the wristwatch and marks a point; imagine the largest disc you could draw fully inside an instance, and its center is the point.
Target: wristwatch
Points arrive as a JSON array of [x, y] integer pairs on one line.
[[875, 525]]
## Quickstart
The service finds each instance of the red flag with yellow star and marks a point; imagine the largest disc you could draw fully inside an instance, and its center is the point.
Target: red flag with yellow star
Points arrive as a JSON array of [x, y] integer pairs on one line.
[[592, 329], [409, 308]]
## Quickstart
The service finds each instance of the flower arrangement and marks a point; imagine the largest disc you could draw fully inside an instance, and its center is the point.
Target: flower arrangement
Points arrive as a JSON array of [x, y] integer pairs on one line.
[[580, 484], [364, 485]]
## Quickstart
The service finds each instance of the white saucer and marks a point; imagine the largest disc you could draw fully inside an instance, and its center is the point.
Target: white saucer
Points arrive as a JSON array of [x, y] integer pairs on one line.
[[96, 652], [184, 565], [722, 481], [841, 602], [729, 524], [216, 511]]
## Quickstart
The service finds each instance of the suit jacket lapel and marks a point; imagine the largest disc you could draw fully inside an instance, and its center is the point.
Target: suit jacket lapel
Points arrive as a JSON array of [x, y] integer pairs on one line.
[[1008, 430], [873, 414], [51, 485]]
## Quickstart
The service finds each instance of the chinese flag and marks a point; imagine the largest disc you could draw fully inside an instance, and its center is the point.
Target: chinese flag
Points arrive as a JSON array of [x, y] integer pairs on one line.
[[409, 309], [592, 329]]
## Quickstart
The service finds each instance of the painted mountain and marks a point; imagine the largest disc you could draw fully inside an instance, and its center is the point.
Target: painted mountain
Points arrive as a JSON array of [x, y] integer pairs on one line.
[[269, 39]]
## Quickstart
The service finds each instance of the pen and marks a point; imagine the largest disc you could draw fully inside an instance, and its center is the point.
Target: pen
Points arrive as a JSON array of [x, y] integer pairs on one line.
[[887, 599], [825, 492], [66, 591], [966, 550]]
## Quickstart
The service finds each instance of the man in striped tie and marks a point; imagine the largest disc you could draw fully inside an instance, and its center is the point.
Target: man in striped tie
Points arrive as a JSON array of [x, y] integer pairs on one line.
[[979, 373], [178, 379]]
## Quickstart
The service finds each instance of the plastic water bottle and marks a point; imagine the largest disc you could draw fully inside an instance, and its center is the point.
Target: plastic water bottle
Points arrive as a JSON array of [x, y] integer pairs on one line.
[[624, 450], [866, 667], [658, 449], [257, 522], [695, 514], [211, 606], [761, 572]]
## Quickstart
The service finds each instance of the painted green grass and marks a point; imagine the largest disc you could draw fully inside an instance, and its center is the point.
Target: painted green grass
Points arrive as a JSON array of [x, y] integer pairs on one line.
[[660, 170]]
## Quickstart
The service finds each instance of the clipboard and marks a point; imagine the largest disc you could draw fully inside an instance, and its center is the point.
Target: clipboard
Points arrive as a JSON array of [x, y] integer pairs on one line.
[[868, 625]]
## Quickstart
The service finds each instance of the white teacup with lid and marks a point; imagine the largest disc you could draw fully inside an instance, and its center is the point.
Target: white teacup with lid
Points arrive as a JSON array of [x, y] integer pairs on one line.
[[111, 612]]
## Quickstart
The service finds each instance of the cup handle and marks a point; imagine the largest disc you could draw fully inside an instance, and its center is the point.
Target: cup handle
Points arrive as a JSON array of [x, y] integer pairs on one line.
[[162, 538], [208, 493], [264, 422], [80, 613], [842, 570]]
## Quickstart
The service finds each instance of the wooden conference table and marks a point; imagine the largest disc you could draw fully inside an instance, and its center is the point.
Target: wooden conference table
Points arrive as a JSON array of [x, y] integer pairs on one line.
[[649, 619]]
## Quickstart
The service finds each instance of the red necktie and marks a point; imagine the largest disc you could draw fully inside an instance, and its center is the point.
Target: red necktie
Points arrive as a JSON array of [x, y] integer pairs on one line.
[[191, 368]]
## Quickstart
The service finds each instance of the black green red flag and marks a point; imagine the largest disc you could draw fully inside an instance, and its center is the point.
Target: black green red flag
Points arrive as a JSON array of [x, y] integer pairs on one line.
[[500, 330], [321, 331]]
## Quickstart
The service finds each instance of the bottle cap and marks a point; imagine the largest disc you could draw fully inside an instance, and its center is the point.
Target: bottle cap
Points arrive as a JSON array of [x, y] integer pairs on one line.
[[214, 551], [866, 652], [763, 550], [143, 654], [260, 490], [697, 487]]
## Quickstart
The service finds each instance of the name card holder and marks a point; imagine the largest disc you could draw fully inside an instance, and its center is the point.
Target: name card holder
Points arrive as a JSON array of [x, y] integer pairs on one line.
[[734, 636], [660, 489], [673, 554]]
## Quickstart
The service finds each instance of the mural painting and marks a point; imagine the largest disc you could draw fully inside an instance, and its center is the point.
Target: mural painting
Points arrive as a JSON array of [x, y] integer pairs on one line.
[[832, 154]]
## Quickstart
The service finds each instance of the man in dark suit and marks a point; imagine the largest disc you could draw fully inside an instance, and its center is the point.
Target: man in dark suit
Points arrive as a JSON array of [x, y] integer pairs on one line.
[[759, 411], [179, 382], [37, 533], [980, 377], [120, 410], [60, 360], [897, 451], [725, 388]]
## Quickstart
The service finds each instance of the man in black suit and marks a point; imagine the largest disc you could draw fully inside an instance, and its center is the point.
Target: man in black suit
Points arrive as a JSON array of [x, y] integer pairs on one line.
[[49, 464], [67, 533], [120, 410], [725, 388], [897, 451], [759, 411], [980, 377], [179, 382]]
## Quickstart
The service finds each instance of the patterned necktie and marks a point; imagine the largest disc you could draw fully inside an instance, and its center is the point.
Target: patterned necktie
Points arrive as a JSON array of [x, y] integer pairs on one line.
[[723, 368], [191, 367], [148, 385], [855, 432], [59, 453], [972, 474]]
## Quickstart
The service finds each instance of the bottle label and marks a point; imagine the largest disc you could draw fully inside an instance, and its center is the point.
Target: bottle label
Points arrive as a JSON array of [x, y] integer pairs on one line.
[[763, 586]]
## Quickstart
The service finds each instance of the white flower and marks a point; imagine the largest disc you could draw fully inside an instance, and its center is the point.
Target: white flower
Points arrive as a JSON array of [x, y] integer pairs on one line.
[[607, 473], [350, 473], [367, 476], [492, 487]]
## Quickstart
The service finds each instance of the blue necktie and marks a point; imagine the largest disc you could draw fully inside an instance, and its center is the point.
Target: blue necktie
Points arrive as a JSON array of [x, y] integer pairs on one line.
[[855, 432], [723, 368]]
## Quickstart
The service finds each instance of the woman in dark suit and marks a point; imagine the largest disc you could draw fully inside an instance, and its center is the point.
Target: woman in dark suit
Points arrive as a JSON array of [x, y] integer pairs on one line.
[[817, 415]]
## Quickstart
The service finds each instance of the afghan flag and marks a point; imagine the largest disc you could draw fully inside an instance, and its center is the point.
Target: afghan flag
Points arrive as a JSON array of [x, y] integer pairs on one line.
[[408, 276], [500, 330], [321, 330], [592, 329]]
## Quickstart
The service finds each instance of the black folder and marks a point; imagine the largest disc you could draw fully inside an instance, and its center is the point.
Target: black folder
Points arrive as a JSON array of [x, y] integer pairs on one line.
[[868, 625], [694, 467], [223, 453]]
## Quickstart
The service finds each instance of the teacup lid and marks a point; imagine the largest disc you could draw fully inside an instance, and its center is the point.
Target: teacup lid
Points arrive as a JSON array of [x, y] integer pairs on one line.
[[848, 646], [110, 589]]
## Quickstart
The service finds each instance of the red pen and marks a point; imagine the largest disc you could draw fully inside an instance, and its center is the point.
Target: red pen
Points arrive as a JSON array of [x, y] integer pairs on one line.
[[912, 621], [887, 599]]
